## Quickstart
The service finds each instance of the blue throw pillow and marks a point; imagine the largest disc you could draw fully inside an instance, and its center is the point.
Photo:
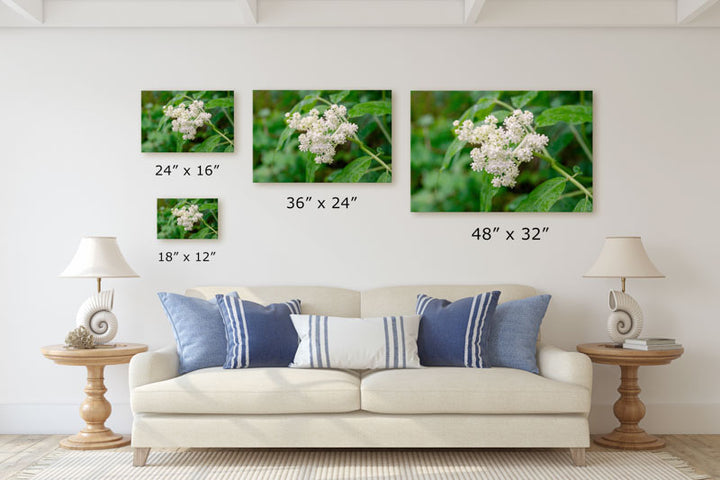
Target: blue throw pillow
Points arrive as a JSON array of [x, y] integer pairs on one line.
[[199, 331], [514, 332], [258, 336], [455, 334]]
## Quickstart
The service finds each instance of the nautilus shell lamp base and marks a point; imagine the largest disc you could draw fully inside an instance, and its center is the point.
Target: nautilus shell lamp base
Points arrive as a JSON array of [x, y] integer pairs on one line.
[[626, 317], [96, 315]]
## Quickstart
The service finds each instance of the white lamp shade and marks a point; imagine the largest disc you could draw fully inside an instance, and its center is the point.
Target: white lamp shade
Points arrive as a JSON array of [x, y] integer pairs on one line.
[[623, 257], [98, 257]]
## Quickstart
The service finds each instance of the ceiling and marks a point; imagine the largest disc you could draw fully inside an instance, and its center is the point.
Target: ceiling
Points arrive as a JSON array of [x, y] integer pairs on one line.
[[359, 13]]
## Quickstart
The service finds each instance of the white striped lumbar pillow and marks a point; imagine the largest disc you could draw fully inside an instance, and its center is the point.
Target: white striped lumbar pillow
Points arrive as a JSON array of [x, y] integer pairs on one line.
[[356, 343]]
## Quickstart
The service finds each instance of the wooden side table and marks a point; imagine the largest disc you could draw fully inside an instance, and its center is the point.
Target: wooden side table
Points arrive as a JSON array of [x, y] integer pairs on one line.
[[629, 410], [95, 409]]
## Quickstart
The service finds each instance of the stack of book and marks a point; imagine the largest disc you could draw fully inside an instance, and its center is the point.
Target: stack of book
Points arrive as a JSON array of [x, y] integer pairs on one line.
[[651, 344]]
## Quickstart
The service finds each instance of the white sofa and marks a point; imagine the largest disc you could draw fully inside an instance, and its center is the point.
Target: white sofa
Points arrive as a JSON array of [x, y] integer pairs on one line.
[[434, 407]]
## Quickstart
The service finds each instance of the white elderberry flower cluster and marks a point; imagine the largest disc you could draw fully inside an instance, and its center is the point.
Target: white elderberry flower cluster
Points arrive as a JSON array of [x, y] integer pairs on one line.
[[500, 149], [187, 216], [321, 135], [187, 119]]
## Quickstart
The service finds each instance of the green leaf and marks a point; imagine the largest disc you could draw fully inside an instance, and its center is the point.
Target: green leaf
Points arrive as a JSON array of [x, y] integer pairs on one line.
[[354, 170], [520, 101], [482, 108], [453, 149], [570, 114], [384, 177], [339, 96], [220, 102], [209, 144], [284, 136], [229, 148], [584, 206], [376, 107], [311, 166], [304, 105], [487, 192], [544, 196]]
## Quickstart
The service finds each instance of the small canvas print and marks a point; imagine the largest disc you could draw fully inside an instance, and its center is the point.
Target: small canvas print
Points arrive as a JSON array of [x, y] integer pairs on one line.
[[187, 218], [188, 121], [502, 151], [315, 136]]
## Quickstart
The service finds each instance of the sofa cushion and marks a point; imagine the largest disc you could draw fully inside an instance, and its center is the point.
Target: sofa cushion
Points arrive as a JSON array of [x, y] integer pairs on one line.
[[251, 391], [469, 390]]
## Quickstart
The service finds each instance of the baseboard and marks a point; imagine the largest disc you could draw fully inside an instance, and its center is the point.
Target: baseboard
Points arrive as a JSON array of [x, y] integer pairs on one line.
[[38, 418], [64, 418], [669, 418]]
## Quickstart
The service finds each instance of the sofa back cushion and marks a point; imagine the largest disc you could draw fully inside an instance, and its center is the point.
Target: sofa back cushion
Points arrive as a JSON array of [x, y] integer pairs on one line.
[[315, 300], [401, 300]]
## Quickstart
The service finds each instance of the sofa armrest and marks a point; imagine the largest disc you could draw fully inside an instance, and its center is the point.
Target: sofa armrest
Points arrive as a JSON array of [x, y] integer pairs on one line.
[[569, 367], [151, 367]]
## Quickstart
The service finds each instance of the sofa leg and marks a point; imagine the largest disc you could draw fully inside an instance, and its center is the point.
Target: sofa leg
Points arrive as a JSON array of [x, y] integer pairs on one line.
[[578, 456], [140, 456]]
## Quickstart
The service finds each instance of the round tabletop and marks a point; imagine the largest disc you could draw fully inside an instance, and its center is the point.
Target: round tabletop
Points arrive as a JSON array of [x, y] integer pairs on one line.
[[113, 354], [612, 354]]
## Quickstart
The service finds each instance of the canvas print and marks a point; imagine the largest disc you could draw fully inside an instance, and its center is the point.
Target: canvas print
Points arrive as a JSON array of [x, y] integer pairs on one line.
[[188, 121], [187, 218], [502, 151], [336, 136]]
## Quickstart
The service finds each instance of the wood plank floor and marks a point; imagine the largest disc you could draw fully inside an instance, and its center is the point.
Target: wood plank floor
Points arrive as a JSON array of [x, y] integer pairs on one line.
[[17, 452]]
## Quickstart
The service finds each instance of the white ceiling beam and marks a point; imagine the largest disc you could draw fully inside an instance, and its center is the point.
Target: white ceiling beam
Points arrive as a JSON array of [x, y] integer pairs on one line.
[[250, 9], [578, 13], [29, 9], [360, 13], [689, 10], [148, 13], [472, 10]]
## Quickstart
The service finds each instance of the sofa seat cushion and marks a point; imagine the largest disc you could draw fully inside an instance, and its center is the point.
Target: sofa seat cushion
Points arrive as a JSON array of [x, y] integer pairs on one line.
[[469, 390], [252, 391]]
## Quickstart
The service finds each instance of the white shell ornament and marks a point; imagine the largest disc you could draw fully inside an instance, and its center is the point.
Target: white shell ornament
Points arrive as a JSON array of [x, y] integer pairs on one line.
[[626, 319], [95, 314]]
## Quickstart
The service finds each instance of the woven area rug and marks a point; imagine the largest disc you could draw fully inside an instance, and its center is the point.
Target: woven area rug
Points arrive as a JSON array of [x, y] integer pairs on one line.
[[356, 464]]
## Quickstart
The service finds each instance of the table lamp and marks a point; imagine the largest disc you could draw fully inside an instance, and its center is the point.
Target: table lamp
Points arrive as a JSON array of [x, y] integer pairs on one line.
[[98, 257], [623, 257]]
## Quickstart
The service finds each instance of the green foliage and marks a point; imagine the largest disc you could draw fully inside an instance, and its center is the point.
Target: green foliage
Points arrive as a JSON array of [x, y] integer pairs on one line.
[[204, 228], [216, 136], [276, 157], [570, 114], [542, 198], [557, 179]]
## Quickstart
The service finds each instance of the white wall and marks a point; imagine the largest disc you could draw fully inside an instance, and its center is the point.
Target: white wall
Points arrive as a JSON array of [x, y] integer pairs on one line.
[[70, 165]]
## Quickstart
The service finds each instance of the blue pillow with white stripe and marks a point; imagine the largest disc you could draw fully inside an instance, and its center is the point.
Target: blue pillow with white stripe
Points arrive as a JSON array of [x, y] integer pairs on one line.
[[257, 335], [455, 334]]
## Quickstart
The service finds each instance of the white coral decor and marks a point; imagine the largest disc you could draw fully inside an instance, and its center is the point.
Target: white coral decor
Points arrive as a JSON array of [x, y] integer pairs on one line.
[[322, 134], [500, 149]]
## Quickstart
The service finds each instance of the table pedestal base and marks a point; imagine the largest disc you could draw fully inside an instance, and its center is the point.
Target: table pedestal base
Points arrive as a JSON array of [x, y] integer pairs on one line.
[[629, 410], [630, 440], [95, 409], [83, 441]]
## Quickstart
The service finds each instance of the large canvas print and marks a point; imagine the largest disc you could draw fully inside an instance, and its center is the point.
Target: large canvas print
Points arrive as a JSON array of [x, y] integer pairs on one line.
[[188, 121], [502, 151], [187, 218], [336, 136]]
